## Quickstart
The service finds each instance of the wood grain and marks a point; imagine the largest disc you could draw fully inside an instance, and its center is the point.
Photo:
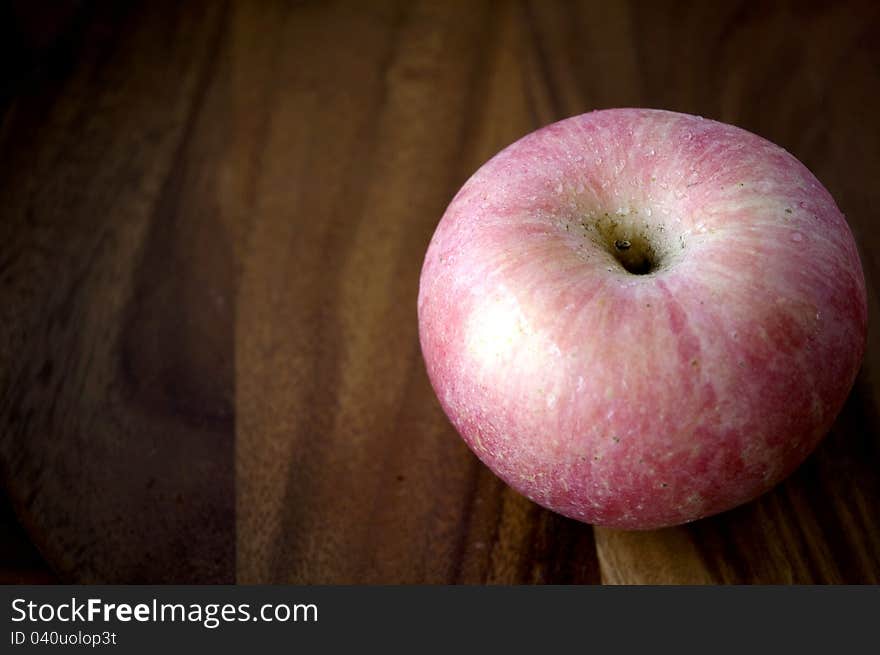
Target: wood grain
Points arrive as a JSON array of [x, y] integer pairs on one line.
[[212, 221], [117, 386]]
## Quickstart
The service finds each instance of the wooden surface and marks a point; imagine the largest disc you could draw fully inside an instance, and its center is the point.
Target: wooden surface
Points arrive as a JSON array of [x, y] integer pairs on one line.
[[212, 221]]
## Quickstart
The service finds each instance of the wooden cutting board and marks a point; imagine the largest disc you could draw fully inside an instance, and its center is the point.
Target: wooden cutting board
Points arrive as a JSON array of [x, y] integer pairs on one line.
[[212, 220]]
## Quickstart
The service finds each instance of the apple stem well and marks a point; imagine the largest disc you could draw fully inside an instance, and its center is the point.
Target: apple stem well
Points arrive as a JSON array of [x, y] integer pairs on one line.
[[639, 248], [637, 258]]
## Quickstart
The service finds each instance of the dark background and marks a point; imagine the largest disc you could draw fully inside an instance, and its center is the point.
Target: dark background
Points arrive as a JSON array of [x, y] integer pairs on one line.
[[212, 220]]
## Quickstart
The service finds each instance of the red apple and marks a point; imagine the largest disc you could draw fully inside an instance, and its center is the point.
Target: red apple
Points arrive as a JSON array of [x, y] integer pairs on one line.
[[638, 318]]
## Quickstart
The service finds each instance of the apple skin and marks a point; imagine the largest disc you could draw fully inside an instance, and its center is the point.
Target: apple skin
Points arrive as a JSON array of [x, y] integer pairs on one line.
[[629, 400]]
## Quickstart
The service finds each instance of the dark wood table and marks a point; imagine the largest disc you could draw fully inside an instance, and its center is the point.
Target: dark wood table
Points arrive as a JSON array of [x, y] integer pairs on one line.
[[212, 221]]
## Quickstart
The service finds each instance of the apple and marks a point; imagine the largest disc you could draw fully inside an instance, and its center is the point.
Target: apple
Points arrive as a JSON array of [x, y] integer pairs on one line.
[[638, 318]]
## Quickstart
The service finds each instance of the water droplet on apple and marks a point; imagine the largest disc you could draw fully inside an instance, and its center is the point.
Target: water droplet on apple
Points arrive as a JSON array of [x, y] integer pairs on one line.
[[648, 211], [559, 188], [797, 237]]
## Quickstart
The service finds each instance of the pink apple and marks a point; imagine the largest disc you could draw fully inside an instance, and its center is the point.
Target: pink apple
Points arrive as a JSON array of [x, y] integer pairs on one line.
[[638, 318]]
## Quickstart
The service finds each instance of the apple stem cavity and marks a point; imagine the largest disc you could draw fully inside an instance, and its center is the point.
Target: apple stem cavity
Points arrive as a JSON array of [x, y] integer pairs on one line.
[[630, 243], [637, 259]]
